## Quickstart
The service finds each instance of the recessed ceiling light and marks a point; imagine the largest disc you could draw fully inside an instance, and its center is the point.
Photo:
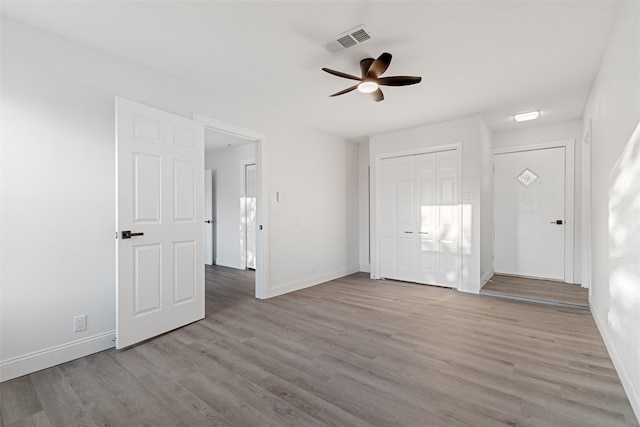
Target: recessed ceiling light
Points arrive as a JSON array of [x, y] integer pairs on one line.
[[523, 117], [368, 87]]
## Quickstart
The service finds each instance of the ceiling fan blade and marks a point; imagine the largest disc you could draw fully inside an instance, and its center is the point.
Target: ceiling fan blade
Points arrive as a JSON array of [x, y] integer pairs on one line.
[[365, 64], [377, 95], [379, 66], [399, 80], [341, 74], [347, 90]]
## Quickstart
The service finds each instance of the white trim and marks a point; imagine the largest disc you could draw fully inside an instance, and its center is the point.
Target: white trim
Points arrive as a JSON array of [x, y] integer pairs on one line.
[[423, 150], [374, 233], [223, 262], [297, 285], [569, 196], [262, 207], [485, 278], [586, 207], [42, 359], [625, 378]]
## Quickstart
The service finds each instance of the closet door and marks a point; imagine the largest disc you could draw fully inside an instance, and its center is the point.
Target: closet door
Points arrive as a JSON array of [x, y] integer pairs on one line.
[[407, 215], [427, 218], [448, 219], [388, 194], [420, 218]]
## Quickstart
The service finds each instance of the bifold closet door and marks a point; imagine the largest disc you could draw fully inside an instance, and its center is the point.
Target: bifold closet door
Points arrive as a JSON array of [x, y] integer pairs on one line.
[[448, 219], [388, 194], [427, 217], [407, 215], [420, 218]]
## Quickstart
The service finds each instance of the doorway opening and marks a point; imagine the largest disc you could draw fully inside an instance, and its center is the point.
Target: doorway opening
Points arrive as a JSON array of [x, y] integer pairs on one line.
[[236, 156]]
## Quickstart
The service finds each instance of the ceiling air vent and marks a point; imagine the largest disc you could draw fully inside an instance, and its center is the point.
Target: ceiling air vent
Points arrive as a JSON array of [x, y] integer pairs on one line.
[[348, 39]]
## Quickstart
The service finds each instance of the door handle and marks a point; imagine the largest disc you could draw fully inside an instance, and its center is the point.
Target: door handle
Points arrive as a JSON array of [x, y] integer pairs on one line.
[[408, 232], [559, 222], [208, 221], [127, 234]]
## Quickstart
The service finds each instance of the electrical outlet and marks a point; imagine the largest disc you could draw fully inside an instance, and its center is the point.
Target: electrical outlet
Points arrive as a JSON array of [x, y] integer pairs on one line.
[[80, 323]]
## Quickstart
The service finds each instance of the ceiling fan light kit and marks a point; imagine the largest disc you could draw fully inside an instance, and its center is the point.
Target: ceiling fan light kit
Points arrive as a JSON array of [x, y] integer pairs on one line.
[[370, 82], [368, 87]]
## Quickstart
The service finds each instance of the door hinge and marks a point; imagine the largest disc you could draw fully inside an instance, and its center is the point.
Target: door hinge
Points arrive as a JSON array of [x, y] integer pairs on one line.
[[116, 234]]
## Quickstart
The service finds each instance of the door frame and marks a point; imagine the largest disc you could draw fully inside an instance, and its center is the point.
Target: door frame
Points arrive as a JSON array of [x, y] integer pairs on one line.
[[375, 235], [262, 217], [569, 197], [213, 225], [585, 235]]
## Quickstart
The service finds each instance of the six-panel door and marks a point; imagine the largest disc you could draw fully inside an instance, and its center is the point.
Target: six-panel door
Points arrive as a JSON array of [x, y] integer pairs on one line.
[[160, 201], [420, 218]]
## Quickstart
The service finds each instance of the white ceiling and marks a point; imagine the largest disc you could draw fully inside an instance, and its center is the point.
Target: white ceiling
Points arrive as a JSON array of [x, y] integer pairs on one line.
[[491, 57]]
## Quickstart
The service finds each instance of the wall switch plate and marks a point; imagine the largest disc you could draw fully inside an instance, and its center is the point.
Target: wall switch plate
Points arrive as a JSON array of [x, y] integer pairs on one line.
[[469, 195], [80, 323]]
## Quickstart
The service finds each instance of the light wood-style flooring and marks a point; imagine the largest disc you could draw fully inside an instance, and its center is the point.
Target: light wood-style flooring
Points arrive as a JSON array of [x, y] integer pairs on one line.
[[350, 352], [537, 290]]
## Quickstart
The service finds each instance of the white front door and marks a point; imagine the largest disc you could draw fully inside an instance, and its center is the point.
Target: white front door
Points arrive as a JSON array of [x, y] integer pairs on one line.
[[159, 220], [530, 213], [208, 217]]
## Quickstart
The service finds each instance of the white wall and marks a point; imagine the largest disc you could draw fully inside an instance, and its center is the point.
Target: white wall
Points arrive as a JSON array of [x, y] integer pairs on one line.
[[228, 167], [614, 111], [57, 214], [461, 131], [486, 205], [554, 132]]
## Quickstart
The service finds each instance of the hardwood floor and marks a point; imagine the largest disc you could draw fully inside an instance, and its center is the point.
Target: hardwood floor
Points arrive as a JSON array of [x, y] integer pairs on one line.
[[537, 290], [351, 352]]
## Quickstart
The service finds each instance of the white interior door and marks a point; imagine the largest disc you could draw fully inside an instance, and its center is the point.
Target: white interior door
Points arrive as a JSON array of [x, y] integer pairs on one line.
[[160, 206], [208, 217], [388, 220], [407, 224], [427, 211], [530, 213], [250, 215], [419, 217], [448, 218]]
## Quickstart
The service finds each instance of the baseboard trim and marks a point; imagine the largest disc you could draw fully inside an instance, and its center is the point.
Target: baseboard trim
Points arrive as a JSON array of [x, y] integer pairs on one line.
[[627, 384], [227, 263], [42, 359], [297, 285], [469, 287], [485, 278]]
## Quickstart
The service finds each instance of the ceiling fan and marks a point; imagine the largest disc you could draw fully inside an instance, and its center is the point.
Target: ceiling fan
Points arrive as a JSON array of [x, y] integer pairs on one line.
[[370, 81]]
